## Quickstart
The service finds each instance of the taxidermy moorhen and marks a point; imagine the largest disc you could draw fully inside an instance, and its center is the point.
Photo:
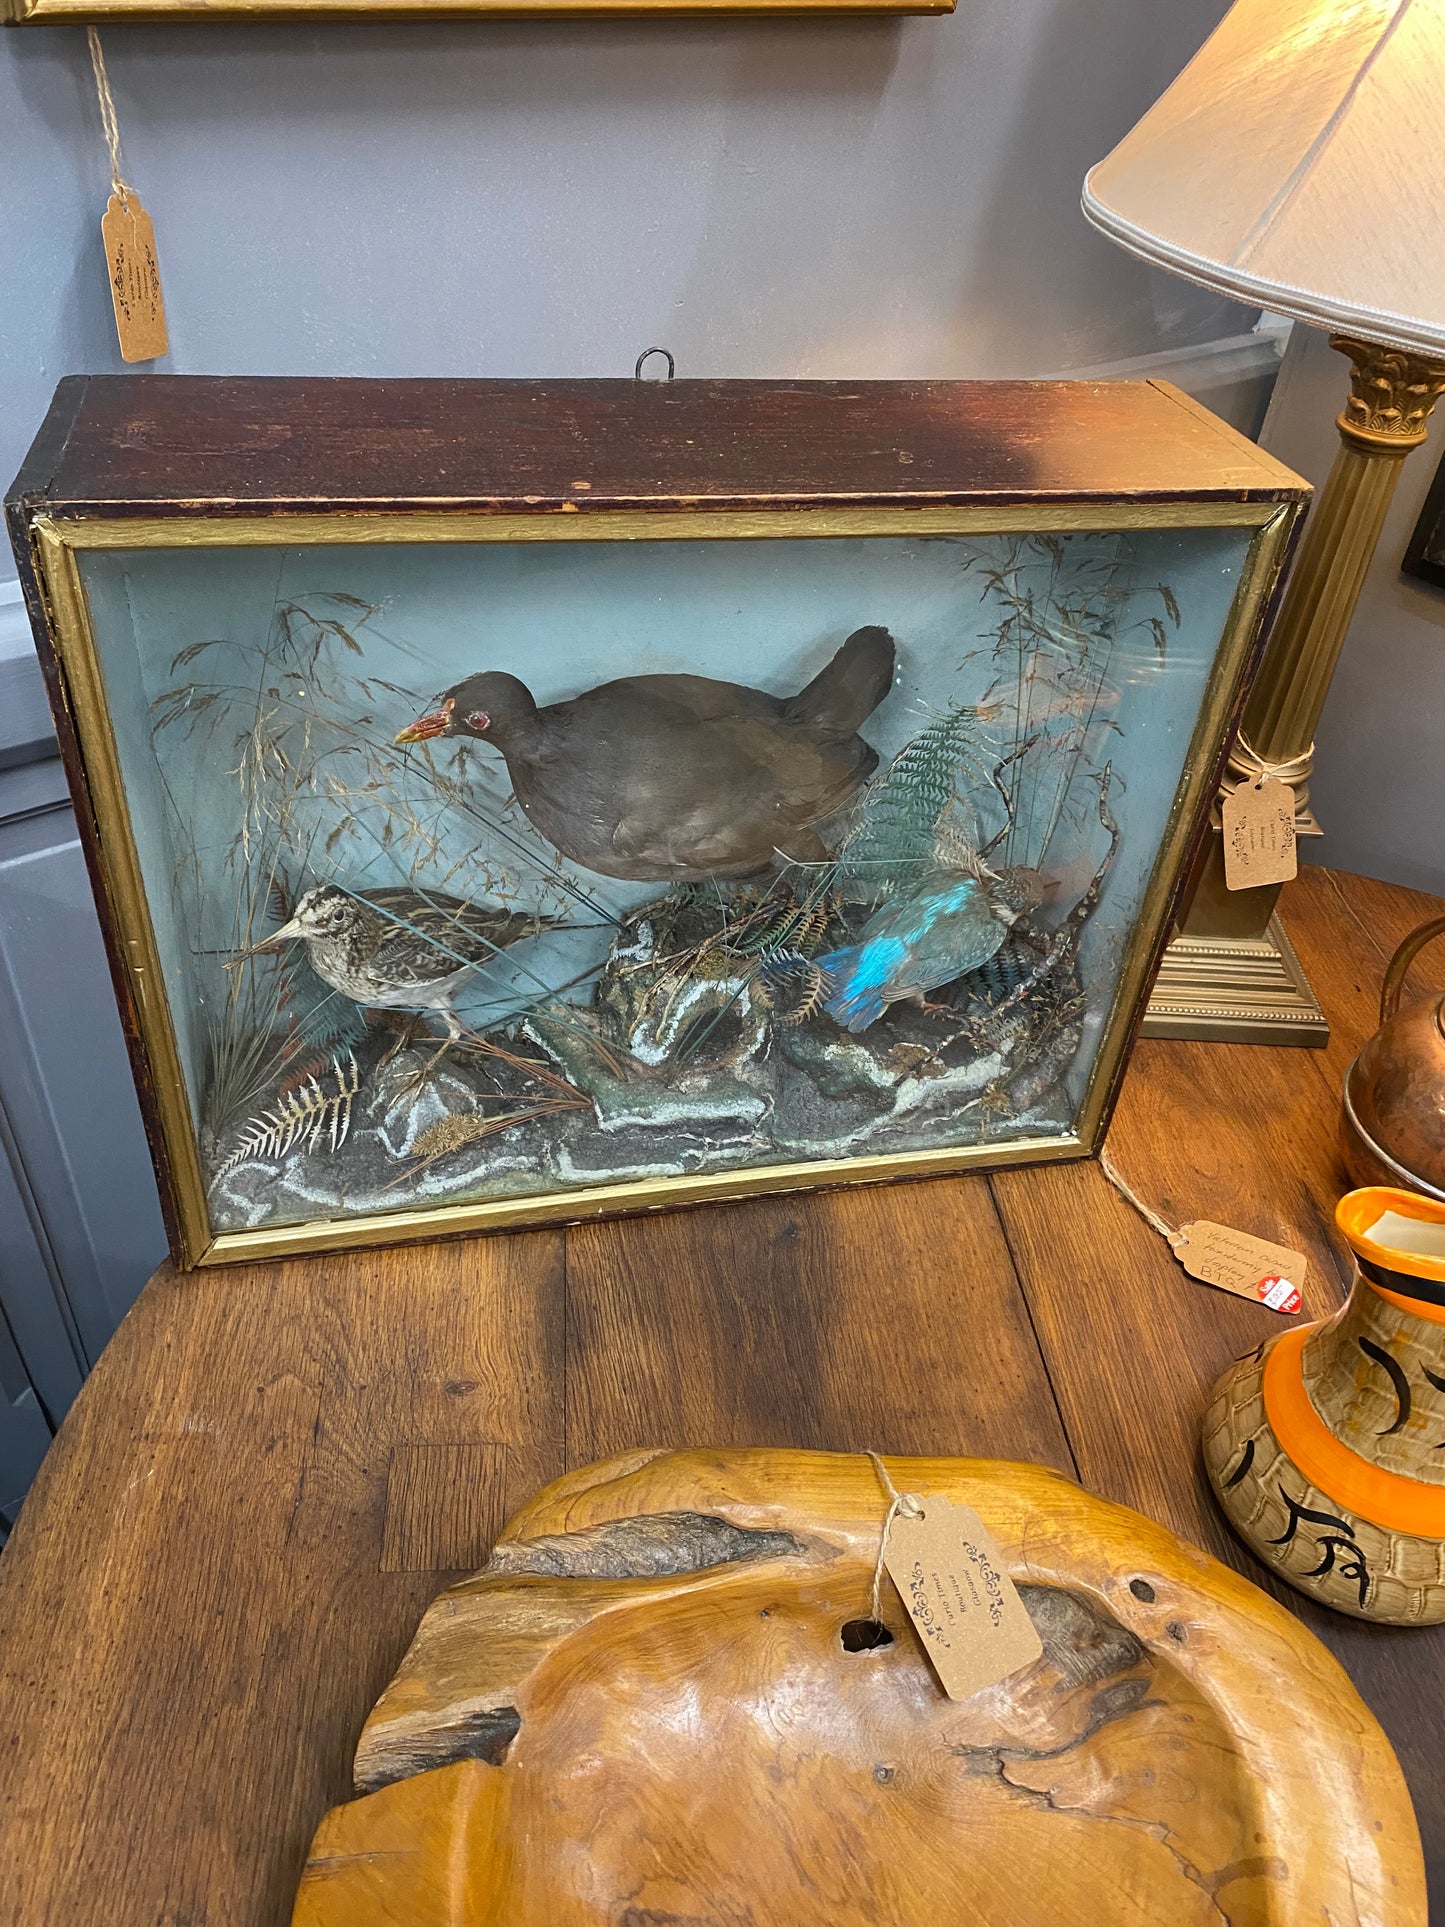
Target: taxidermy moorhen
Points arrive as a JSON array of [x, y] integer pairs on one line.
[[676, 778]]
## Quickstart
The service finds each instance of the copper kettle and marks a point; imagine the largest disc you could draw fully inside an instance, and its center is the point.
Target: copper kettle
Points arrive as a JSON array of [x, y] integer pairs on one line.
[[1393, 1129]]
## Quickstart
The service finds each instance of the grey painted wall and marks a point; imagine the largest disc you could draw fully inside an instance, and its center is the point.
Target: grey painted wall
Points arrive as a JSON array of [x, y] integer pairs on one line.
[[823, 198]]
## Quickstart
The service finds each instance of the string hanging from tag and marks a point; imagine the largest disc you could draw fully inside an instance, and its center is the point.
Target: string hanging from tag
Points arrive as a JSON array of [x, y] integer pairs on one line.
[[1217, 1254], [905, 1503], [119, 186], [129, 237], [953, 1582], [1126, 1191]]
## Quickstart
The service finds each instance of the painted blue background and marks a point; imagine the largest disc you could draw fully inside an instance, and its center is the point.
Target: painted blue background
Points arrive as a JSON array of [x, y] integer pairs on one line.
[[564, 616]]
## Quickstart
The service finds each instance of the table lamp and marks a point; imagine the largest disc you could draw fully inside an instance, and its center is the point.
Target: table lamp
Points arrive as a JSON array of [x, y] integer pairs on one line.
[[1298, 164]]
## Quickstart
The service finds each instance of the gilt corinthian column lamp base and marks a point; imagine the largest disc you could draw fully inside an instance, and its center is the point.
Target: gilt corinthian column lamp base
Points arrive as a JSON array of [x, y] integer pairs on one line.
[[1229, 973], [1297, 164]]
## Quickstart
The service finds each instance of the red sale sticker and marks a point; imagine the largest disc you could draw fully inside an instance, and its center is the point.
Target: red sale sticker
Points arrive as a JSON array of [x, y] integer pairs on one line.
[[1279, 1294]]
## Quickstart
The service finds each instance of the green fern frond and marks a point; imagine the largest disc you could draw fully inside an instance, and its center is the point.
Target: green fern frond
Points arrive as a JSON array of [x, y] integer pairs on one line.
[[332, 1020], [894, 841]]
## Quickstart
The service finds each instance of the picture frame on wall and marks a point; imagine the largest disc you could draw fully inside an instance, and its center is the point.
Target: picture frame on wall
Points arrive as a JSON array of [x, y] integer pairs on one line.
[[1425, 556], [513, 802], [100, 12]]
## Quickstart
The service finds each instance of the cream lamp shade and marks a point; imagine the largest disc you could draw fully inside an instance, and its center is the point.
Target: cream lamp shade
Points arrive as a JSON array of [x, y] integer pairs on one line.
[[1298, 163]]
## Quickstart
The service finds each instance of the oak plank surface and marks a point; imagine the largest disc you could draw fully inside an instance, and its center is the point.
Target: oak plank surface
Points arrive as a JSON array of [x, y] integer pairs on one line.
[[193, 1616], [879, 1318], [197, 1610], [445, 1505]]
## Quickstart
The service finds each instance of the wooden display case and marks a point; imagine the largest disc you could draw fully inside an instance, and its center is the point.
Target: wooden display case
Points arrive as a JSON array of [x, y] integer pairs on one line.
[[746, 785]]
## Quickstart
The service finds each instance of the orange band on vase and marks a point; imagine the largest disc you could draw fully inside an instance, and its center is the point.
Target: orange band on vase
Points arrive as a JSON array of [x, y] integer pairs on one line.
[[1386, 1499]]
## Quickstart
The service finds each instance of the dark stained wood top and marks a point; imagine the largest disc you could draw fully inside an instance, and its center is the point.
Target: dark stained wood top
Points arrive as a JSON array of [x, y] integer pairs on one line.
[[186, 444], [274, 1467]]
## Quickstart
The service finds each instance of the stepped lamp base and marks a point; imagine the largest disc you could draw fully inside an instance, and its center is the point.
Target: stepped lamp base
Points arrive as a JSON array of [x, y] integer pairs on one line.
[[1236, 990]]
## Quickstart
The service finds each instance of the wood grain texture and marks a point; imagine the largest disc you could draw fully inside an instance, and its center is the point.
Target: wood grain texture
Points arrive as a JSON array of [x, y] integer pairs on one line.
[[444, 1506], [193, 1615], [171, 444], [871, 1319], [1246, 1135], [689, 1740]]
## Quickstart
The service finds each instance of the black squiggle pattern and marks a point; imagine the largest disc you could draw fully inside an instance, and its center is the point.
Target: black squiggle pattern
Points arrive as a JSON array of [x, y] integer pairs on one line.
[[1241, 1471], [1352, 1564], [1397, 1378], [1439, 1383], [1298, 1512]]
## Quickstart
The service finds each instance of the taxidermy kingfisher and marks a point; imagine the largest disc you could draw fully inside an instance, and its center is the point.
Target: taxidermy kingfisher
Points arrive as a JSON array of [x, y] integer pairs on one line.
[[948, 924]]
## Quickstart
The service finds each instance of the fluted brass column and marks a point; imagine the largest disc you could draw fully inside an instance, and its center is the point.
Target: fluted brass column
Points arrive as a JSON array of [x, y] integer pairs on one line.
[[1229, 973]]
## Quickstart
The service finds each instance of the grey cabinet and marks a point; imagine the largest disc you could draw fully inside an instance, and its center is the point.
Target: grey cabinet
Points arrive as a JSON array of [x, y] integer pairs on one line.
[[80, 1224], [25, 1429]]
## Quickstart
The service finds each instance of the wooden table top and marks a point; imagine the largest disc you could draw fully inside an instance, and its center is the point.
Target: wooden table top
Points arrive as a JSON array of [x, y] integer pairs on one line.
[[274, 1467]]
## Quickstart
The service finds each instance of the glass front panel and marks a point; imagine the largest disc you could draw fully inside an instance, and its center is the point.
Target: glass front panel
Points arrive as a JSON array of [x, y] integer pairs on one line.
[[483, 871]]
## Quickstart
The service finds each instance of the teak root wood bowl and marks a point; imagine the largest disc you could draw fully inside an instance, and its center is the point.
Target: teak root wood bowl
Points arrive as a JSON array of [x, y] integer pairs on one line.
[[643, 1713]]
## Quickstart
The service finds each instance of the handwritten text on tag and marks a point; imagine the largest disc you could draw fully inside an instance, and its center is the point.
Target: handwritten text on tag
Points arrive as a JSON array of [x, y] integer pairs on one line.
[[135, 279], [950, 1575], [1259, 834], [1217, 1254]]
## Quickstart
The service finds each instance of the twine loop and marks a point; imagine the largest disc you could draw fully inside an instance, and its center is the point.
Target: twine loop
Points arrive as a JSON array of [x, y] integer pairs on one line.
[[905, 1505], [1254, 768], [1167, 1231], [119, 186]]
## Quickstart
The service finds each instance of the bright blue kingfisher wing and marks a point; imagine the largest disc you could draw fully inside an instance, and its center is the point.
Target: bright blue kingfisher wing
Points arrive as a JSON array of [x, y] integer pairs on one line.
[[912, 945], [862, 980], [945, 931], [911, 917]]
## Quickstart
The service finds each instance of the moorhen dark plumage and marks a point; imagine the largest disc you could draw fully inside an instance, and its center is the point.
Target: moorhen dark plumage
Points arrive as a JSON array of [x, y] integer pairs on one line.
[[677, 778]]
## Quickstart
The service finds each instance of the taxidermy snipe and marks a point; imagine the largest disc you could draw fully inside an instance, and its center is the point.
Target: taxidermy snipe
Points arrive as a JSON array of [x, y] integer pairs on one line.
[[947, 925], [679, 778], [401, 949]]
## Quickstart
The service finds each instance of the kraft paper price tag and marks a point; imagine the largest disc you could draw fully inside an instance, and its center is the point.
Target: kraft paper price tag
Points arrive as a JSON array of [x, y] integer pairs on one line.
[[950, 1575], [1259, 834], [135, 279], [1217, 1254]]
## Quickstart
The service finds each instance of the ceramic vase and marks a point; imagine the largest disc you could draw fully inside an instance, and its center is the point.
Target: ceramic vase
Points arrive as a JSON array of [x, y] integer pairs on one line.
[[1326, 1447]]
